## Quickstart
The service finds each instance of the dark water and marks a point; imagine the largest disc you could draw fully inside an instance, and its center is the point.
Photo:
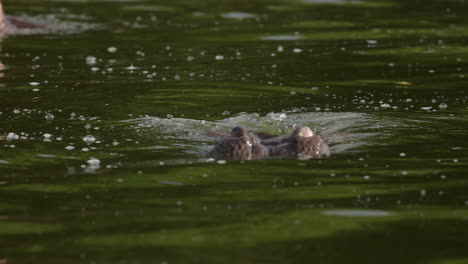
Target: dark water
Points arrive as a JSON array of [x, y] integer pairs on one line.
[[386, 80]]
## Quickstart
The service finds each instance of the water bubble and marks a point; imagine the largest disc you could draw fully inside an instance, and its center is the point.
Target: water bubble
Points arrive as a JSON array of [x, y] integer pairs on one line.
[[402, 154], [93, 162], [89, 139], [423, 193], [69, 147], [49, 116], [280, 48], [219, 57], [112, 49], [11, 136], [91, 60], [443, 106], [385, 106], [47, 136], [34, 83], [297, 50]]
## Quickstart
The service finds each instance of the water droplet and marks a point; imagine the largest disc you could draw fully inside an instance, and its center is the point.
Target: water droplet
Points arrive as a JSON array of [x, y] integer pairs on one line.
[[69, 147], [443, 106], [89, 139], [49, 116]]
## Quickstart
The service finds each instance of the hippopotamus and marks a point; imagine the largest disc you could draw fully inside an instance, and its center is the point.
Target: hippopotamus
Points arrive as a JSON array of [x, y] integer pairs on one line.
[[8, 24], [239, 145], [302, 144]]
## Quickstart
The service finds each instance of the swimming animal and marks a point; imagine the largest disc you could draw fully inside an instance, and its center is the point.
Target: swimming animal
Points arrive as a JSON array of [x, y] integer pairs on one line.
[[239, 145], [302, 144], [8, 24]]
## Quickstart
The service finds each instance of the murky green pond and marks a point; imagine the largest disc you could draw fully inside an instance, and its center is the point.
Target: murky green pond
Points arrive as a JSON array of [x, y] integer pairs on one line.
[[104, 118]]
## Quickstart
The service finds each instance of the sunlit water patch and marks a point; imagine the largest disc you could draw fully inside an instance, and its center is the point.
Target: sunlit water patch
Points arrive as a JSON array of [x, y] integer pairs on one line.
[[282, 37], [357, 213], [237, 15]]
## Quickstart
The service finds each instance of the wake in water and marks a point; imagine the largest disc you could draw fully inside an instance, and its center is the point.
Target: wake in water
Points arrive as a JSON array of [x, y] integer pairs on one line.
[[345, 132]]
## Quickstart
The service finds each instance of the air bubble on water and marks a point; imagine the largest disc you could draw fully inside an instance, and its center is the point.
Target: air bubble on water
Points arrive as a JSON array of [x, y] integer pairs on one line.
[[426, 108], [280, 48], [47, 136], [293, 92], [385, 106], [423, 193], [169, 116], [89, 139], [93, 162], [11, 136], [36, 90], [94, 69], [49, 116], [219, 57], [221, 162], [112, 49], [190, 58], [87, 126], [177, 77], [34, 83], [404, 173], [402, 154], [69, 147], [131, 68], [443, 106], [91, 60], [371, 42], [366, 177], [297, 50]]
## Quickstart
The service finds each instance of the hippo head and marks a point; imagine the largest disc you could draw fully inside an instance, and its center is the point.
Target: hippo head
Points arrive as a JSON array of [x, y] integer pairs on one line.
[[303, 132]]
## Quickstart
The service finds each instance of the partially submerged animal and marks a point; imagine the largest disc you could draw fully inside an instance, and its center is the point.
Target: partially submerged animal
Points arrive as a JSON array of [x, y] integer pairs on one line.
[[303, 143], [9, 24], [239, 145]]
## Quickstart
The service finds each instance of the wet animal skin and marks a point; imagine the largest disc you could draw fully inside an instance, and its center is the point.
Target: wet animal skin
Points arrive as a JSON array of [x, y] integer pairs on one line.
[[302, 144], [9, 24], [240, 145], [243, 145]]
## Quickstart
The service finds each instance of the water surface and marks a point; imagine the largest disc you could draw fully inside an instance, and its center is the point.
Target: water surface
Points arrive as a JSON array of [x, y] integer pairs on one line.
[[104, 121]]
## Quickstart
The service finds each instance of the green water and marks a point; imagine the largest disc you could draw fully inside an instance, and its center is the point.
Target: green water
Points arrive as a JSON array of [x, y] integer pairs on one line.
[[385, 80]]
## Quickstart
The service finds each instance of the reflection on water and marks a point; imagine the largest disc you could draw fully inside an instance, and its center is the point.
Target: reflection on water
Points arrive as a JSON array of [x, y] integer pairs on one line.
[[357, 213]]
